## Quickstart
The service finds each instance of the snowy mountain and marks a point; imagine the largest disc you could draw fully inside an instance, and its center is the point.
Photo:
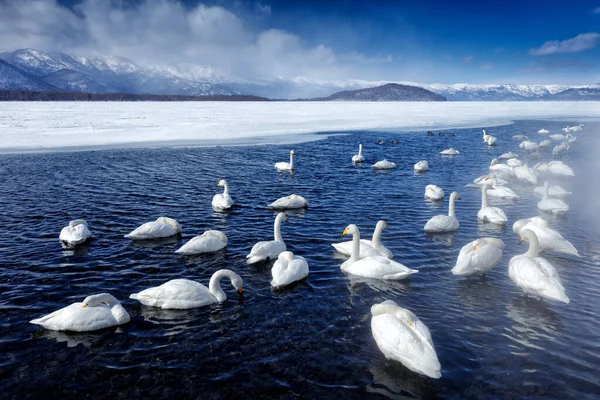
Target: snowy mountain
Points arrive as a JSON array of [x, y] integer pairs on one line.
[[104, 75], [388, 92], [12, 78]]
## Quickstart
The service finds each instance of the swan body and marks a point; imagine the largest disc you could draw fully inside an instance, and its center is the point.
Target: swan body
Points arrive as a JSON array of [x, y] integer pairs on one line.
[[444, 223], [519, 137], [534, 274], [570, 138], [421, 166], [501, 170], [509, 155], [283, 166], [561, 148], [490, 180], [76, 233], [377, 267], [491, 140], [540, 168], [433, 192], [513, 162], [450, 152], [384, 164], [287, 269], [490, 214], [269, 249], [182, 294], [573, 128], [367, 247], [545, 143], [98, 311], [402, 337], [553, 191], [161, 228], [478, 257], [222, 201], [528, 146], [502, 192], [358, 158], [558, 137], [525, 174], [548, 204], [209, 242], [543, 131], [560, 168], [290, 202], [548, 238]]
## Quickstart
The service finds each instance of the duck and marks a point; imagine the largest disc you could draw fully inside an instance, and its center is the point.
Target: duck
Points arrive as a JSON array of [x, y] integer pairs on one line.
[[367, 247], [380, 142], [98, 311], [283, 166], [535, 275], [395, 142], [163, 227], [290, 202], [440, 133], [429, 133], [450, 152], [444, 223], [525, 174], [209, 242], [288, 269], [76, 233], [402, 337], [490, 214], [451, 134], [548, 204], [433, 192], [543, 131], [269, 250], [372, 266], [559, 168], [358, 158], [384, 164], [478, 257], [553, 191], [548, 238], [421, 166], [222, 201], [183, 294]]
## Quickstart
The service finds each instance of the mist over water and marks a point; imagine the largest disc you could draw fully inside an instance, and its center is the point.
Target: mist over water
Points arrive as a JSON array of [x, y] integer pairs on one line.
[[312, 339]]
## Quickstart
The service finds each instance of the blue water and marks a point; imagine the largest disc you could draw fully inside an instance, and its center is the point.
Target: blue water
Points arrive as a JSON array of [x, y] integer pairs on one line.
[[312, 340]]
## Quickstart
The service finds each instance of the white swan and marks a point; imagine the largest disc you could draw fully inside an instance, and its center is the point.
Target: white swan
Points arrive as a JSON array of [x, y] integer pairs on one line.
[[269, 249], [560, 168], [76, 233], [519, 137], [534, 274], [553, 191], [548, 238], [209, 242], [161, 228], [501, 170], [491, 140], [283, 166], [543, 131], [222, 201], [287, 269], [558, 137], [384, 164], [529, 146], [401, 336], [421, 166], [485, 136], [290, 202], [358, 158], [500, 191], [525, 174], [561, 148], [490, 179], [450, 152], [372, 247], [509, 155], [545, 143], [490, 214], [181, 294], [548, 204], [444, 223], [513, 162], [98, 311], [377, 267], [478, 257], [570, 138], [433, 192]]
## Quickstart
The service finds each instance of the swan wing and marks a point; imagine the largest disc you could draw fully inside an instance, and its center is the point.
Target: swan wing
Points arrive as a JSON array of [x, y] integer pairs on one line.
[[75, 235], [366, 249], [176, 294], [152, 230], [221, 201], [202, 244], [79, 319], [282, 165], [263, 250], [285, 272], [537, 276], [480, 260], [441, 223], [378, 267]]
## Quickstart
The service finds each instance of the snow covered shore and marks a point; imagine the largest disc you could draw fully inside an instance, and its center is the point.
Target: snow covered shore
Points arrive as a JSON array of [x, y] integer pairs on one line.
[[55, 126]]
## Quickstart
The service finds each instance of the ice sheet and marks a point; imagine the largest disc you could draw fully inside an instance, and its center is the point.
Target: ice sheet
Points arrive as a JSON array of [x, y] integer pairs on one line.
[[53, 126]]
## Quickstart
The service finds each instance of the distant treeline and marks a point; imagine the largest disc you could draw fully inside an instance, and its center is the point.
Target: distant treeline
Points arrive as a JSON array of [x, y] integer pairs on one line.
[[18, 95]]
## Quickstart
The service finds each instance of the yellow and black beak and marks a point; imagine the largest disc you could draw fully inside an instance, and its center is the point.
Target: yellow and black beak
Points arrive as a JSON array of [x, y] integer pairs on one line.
[[475, 247], [345, 232], [84, 306], [521, 240], [240, 290], [219, 184], [458, 198]]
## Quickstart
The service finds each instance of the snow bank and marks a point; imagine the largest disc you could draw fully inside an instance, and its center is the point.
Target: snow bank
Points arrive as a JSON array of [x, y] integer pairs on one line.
[[51, 126]]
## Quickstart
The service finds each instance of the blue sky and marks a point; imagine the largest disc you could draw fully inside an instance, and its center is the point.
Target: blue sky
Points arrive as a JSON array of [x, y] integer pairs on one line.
[[542, 42]]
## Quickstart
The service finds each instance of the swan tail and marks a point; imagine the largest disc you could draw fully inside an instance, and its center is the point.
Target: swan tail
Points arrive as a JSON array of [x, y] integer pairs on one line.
[[133, 296], [568, 248]]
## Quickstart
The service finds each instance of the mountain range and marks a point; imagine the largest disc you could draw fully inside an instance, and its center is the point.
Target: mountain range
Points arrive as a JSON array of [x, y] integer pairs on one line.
[[36, 70]]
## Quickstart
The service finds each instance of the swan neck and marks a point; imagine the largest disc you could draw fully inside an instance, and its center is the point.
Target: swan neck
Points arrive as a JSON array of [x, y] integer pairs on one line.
[[484, 198], [534, 247], [355, 255], [291, 161], [376, 240], [277, 228], [451, 206], [225, 189], [360, 150], [214, 286]]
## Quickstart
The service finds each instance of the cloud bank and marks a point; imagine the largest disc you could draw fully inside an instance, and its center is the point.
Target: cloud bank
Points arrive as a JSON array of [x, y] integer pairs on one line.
[[579, 43]]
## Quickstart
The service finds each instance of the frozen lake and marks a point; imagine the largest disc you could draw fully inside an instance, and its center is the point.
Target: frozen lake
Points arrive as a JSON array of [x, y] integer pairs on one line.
[[39, 126]]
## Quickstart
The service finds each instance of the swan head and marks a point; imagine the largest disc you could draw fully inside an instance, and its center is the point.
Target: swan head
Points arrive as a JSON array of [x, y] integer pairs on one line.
[[171, 222], [76, 222], [237, 283], [520, 224], [350, 229], [527, 235], [494, 161], [102, 298], [292, 152], [455, 196], [381, 224], [281, 217], [222, 182], [286, 256], [390, 307]]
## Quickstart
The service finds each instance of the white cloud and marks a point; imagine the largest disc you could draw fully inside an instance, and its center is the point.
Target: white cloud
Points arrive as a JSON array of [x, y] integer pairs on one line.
[[579, 43], [166, 33], [468, 59], [487, 66], [596, 10]]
